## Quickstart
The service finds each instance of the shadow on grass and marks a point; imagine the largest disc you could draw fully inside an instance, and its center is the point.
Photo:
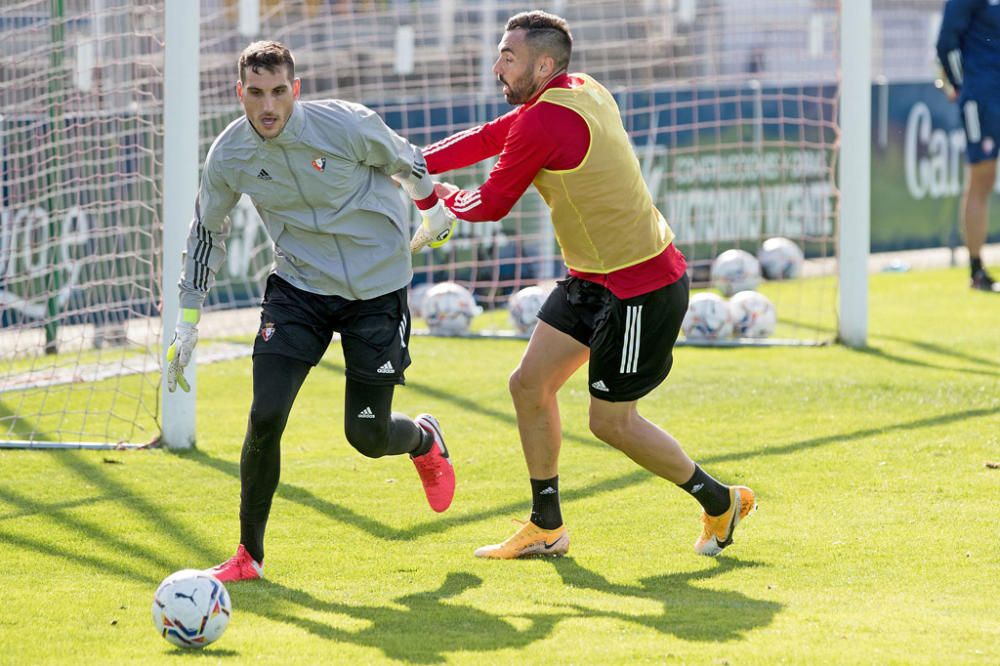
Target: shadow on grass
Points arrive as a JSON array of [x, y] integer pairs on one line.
[[420, 627], [978, 362], [935, 348], [399, 629], [93, 532], [864, 433], [213, 652], [109, 489], [18, 426], [79, 558], [689, 612], [877, 352], [31, 508], [443, 523]]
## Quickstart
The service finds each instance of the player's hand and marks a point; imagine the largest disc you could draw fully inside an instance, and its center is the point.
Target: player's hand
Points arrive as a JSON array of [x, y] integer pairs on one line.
[[445, 190], [179, 351], [435, 229], [942, 83]]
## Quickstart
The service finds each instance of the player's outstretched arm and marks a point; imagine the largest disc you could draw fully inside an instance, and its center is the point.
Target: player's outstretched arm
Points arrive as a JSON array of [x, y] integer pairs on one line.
[[438, 222], [203, 256]]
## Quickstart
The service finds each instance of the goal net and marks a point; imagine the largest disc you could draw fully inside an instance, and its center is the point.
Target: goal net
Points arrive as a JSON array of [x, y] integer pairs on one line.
[[731, 105], [80, 137]]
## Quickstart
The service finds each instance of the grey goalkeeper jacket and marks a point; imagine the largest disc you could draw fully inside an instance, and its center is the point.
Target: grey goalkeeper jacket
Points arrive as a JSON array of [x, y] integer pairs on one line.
[[323, 188]]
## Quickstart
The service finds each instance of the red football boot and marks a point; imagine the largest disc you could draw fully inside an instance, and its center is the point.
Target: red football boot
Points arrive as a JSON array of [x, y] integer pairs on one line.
[[238, 567], [434, 467]]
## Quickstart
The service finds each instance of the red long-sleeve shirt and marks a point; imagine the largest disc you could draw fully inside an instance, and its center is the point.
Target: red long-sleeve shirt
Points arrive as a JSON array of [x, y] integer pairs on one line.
[[532, 137]]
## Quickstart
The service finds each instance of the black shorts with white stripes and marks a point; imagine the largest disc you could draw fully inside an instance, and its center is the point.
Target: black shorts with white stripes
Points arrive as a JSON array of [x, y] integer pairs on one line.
[[631, 341], [375, 333]]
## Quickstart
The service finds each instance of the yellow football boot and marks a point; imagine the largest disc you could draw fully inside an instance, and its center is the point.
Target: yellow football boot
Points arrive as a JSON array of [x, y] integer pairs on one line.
[[717, 532], [531, 540]]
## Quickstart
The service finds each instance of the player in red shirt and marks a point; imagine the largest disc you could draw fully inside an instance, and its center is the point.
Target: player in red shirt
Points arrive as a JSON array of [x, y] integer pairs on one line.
[[622, 304]]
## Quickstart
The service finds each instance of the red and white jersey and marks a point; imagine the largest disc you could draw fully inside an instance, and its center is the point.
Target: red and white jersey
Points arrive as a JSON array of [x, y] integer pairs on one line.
[[534, 138]]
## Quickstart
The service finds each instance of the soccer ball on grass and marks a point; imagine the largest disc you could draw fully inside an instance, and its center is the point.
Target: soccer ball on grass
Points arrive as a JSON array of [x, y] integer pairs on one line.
[[780, 258], [448, 309], [753, 315], [734, 271], [415, 299], [191, 608], [707, 318], [523, 308]]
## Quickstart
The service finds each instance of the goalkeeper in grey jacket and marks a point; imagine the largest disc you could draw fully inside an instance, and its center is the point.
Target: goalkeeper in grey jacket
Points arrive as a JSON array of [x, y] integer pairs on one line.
[[321, 176]]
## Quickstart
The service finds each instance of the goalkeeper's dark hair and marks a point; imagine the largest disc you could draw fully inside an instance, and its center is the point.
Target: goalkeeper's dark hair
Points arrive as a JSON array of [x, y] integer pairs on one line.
[[267, 55], [546, 33]]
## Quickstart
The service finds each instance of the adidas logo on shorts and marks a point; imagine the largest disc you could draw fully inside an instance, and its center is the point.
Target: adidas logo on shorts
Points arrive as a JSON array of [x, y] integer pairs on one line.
[[600, 385], [386, 368], [366, 413]]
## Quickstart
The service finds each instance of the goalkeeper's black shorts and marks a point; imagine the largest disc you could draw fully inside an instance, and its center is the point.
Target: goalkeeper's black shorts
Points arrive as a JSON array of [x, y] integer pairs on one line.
[[375, 333], [631, 341]]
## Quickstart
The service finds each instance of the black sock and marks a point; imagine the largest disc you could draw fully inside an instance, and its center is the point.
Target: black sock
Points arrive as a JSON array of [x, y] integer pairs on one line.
[[426, 442], [975, 265], [712, 495], [252, 538], [545, 510]]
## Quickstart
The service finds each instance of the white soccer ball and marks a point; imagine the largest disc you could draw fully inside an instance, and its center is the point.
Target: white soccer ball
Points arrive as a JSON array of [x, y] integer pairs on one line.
[[415, 299], [523, 308], [780, 258], [448, 309], [191, 608], [707, 318], [753, 315], [734, 271]]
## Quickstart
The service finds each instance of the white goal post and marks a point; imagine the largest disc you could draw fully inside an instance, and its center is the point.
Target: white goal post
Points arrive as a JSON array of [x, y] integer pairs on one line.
[[750, 119], [181, 116], [855, 171]]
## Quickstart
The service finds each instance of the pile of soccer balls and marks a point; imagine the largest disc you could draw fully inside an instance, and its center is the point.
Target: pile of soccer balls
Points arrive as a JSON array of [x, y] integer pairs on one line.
[[736, 273], [448, 308]]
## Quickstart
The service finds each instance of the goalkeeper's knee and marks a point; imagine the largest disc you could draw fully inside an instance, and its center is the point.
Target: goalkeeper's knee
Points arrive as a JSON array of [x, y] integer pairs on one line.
[[370, 436]]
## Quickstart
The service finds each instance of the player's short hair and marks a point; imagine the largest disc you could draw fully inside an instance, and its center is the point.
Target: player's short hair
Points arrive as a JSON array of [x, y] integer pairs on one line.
[[546, 33], [269, 55]]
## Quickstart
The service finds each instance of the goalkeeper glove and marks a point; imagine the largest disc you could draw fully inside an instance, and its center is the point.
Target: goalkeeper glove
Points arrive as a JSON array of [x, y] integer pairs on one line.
[[436, 228], [180, 349]]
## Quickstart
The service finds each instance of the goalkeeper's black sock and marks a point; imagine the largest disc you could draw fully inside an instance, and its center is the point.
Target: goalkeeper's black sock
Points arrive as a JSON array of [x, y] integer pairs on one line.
[[545, 511], [712, 495], [252, 538], [975, 265], [426, 442]]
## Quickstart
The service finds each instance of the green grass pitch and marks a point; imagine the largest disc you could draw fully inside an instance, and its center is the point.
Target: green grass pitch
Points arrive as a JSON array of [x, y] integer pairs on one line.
[[876, 540]]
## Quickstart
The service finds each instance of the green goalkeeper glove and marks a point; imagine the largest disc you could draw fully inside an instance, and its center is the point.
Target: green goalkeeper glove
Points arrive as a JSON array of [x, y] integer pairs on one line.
[[180, 349]]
